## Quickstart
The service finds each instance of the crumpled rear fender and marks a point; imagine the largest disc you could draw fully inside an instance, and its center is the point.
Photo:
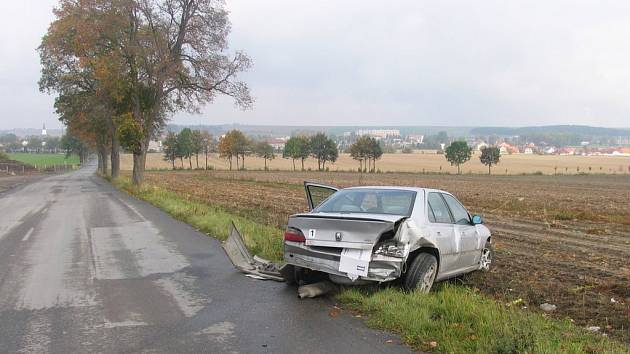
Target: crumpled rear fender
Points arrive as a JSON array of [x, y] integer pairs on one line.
[[414, 238]]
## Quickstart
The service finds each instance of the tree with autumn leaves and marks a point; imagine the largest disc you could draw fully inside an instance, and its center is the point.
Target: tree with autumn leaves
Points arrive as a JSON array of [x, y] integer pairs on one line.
[[138, 62], [234, 144], [366, 150]]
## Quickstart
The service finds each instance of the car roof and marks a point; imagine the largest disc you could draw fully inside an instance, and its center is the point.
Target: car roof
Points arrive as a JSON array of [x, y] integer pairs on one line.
[[414, 189]]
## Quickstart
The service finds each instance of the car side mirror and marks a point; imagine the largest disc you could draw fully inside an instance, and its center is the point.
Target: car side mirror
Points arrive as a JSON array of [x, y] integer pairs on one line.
[[476, 220]]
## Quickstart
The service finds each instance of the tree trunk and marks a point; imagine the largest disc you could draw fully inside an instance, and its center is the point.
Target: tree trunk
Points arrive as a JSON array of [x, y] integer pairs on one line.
[[173, 161], [115, 156], [265, 164], [105, 157], [139, 163], [139, 160], [181, 159], [293, 165], [206, 160], [99, 157], [489, 172], [230, 163], [197, 160], [303, 165], [243, 161], [102, 159], [190, 161], [459, 171]]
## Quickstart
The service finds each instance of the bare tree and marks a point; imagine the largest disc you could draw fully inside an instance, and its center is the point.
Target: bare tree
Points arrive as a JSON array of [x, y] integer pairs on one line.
[[178, 61]]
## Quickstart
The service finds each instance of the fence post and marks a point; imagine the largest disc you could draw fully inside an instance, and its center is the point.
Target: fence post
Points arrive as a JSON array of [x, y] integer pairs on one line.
[[22, 169]]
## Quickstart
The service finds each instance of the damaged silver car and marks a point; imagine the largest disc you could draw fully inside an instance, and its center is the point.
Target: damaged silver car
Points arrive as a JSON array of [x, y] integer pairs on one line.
[[378, 234]]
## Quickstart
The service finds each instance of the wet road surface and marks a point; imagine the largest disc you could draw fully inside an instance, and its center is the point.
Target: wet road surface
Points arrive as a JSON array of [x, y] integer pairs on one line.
[[86, 268]]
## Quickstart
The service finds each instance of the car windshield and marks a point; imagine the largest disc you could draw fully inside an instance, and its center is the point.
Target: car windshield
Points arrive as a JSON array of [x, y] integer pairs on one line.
[[369, 201]]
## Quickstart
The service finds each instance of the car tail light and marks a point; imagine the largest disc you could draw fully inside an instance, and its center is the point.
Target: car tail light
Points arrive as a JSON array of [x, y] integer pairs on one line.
[[294, 235]]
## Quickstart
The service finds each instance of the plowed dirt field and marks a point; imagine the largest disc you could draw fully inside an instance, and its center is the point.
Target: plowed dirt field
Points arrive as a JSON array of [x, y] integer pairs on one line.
[[564, 240]]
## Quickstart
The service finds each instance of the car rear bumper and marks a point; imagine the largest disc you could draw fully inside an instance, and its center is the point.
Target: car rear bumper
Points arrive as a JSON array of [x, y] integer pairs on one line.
[[326, 259]]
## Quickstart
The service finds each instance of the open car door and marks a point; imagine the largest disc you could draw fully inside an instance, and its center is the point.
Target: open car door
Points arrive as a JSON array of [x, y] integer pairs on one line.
[[316, 193]]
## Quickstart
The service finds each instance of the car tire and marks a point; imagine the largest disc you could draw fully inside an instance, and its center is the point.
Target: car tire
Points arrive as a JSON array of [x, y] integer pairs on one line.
[[292, 274], [487, 256], [421, 273]]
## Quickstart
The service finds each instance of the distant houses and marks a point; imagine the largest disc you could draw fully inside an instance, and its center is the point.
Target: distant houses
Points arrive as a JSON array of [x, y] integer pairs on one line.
[[506, 148], [407, 140], [277, 143]]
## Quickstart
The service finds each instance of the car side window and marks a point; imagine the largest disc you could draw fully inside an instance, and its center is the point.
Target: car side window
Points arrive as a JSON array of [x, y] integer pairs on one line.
[[438, 211], [460, 214]]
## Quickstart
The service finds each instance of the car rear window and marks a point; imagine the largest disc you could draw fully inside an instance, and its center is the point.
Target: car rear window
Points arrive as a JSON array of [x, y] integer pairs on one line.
[[370, 201]]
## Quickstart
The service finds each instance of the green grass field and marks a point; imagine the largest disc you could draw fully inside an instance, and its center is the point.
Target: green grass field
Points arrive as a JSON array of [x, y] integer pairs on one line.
[[450, 319], [44, 159]]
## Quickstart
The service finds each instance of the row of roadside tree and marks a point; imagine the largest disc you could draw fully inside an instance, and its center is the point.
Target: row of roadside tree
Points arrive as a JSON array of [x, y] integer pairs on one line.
[[121, 68], [235, 145]]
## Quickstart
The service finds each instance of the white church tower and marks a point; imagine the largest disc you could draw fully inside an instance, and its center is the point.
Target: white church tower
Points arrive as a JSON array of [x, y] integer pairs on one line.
[[44, 130]]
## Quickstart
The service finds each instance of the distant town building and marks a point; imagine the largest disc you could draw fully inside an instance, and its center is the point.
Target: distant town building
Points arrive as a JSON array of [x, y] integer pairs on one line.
[[550, 150], [155, 146], [480, 145], [621, 152], [415, 138], [567, 151], [44, 133], [379, 133], [506, 148], [623, 140], [277, 143]]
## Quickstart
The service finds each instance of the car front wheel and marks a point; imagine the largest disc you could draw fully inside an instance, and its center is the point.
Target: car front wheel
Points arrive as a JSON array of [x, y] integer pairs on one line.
[[421, 273]]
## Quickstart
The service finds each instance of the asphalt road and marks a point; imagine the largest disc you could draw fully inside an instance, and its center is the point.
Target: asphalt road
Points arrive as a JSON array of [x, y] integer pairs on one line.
[[86, 268]]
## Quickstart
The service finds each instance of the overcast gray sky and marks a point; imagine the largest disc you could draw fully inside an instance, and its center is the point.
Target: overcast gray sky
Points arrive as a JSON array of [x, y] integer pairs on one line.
[[509, 63]]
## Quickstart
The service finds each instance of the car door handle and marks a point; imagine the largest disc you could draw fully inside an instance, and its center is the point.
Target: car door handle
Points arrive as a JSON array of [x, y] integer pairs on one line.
[[439, 233]]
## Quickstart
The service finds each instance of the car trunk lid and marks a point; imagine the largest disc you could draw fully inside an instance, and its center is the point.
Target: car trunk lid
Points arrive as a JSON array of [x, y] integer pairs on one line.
[[344, 230]]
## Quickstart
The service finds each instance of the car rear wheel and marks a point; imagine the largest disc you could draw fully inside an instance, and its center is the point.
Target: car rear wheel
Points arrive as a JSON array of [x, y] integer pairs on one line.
[[487, 255], [421, 273], [292, 274]]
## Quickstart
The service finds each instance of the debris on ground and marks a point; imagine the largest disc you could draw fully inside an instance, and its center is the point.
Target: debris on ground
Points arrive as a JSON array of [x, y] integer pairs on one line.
[[548, 307], [253, 267], [258, 268], [315, 289], [593, 328]]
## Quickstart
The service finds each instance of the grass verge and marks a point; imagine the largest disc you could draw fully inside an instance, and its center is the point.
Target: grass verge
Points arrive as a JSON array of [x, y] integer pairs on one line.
[[456, 319], [44, 159], [262, 240], [451, 319]]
